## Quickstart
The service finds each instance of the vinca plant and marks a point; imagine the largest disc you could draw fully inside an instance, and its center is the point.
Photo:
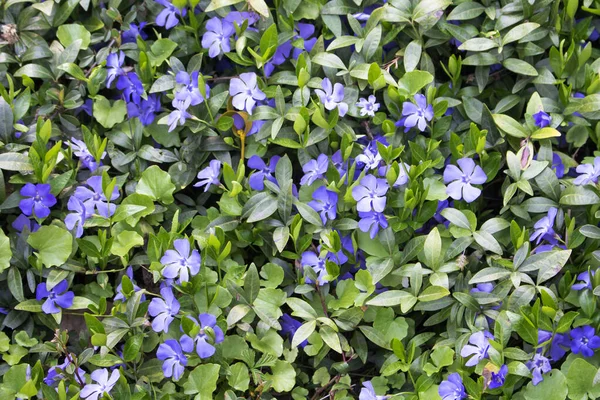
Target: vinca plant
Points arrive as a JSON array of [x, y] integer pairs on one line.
[[299, 199]]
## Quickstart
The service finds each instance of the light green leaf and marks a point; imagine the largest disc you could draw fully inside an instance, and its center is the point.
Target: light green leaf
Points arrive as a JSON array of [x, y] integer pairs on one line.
[[109, 115], [53, 245], [202, 381], [69, 33], [156, 184], [283, 377]]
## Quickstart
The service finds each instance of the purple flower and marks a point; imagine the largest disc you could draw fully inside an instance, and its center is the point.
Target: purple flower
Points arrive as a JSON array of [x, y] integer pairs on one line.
[[181, 262], [38, 200], [370, 194], [542, 119], [130, 35], [453, 388], [168, 16], [181, 102], [588, 173], [463, 178], [338, 162], [263, 171], [114, 62], [314, 169], [585, 281], [416, 115], [368, 392], [544, 227], [245, 92], [371, 221], [289, 326], [239, 17], [558, 166], [95, 199], [131, 86], [87, 159], [304, 32], [483, 288], [370, 157], [163, 310], [216, 37], [478, 348], [174, 360], [146, 110], [203, 347], [209, 175], [325, 203], [312, 260], [584, 340], [497, 379], [332, 96], [22, 222], [104, 384], [58, 296], [557, 347], [55, 373], [538, 366], [368, 107], [190, 88], [120, 295], [78, 216]]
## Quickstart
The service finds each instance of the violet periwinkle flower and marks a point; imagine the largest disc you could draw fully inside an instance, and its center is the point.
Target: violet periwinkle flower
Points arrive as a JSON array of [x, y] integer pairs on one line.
[[312, 260], [146, 110], [87, 159], [462, 179], [558, 344], [588, 173], [368, 106], [37, 201], [497, 379], [304, 32], [332, 96], [370, 194], [114, 62], [104, 384], [238, 17], [370, 157], [585, 281], [416, 114], [544, 227], [120, 296], [263, 171], [368, 392], [538, 366], [77, 217], [452, 388], [190, 88], [95, 199], [171, 352], [204, 348], [217, 35], [209, 175], [56, 373], [182, 262], [487, 287], [168, 16], [179, 115], [58, 296], [584, 340], [163, 310], [542, 119], [557, 165], [338, 162], [131, 86], [245, 92], [130, 35], [314, 169], [478, 348], [289, 326], [371, 222], [22, 222], [325, 203]]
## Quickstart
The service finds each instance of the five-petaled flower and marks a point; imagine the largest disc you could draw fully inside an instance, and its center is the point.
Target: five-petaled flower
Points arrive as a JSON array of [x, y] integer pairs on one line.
[[104, 384], [544, 227], [314, 169], [332, 96], [368, 106], [163, 310], [87, 159], [585, 281], [217, 36], [58, 296], [461, 180], [209, 175], [37, 201], [371, 221], [588, 173], [245, 92], [168, 16], [497, 379], [584, 340], [95, 199], [263, 171], [538, 366], [478, 348], [368, 392], [171, 352], [317, 264], [542, 119], [204, 347], [370, 194], [182, 262], [325, 203], [77, 217], [452, 388], [114, 62], [416, 114]]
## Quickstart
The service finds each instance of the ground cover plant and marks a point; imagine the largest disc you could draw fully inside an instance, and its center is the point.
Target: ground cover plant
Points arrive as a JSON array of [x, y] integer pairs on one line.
[[299, 199]]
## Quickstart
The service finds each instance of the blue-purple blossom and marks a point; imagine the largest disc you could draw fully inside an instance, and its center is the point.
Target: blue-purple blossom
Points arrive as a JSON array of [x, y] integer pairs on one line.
[[245, 92], [338, 162], [132, 88], [171, 352], [487, 287], [209, 175], [370, 157], [120, 296], [131, 34], [190, 87], [372, 221], [179, 115], [37, 201], [238, 17], [538, 366], [22, 222], [289, 326], [584, 340], [204, 347], [497, 379], [314, 169], [368, 392], [325, 203], [558, 344], [557, 165], [114, 62], [163, 309], [217, 35], [56, 373], [370, 194], [544, 227], [478, 348], [77, 217], [585, 281], [282, 53], [588, 173], [168, 16], [87, 159], [182, 262], [146, 110], [368, 106], [58, 296], [452, 388], [542, 119], [104, 384], [332, 96], [416, 114], [312, 260], [461, 180], [94, 199], [263, 171]]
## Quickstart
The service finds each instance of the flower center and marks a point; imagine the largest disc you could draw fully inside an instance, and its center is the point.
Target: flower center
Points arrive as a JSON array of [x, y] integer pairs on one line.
[[96, 197], [465, 179], [584, 340], [37, 198]]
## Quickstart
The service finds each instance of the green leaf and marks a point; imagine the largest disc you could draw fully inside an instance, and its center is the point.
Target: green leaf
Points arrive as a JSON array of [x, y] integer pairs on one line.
[[390, 298], [238, 377], [5, 251], [6, 121], [260, 7], [328, 60], [412, 82], [216, 4], [34, 71], [69, 33], [433, 293], [308, 213], [545, 260], [412, 55], [379, 267], [132, 347], [283, 377], [161, 50], [303, 332], [478, 44], [125, 241], [519, 32], [53, 245], [251, 283], [109, 115], [15, 162], [457, 218], [487, 241], [432, 251], [107, 360], [519, 67], [509, 125], [579, 196], [268, 39], [156, 184], [465, 11], [31, 305], [202, 381], [553, 387], [263, 209]]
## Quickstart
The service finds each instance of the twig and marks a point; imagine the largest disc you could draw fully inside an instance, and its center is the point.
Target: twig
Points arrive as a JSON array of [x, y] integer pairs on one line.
[[319, 391]]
